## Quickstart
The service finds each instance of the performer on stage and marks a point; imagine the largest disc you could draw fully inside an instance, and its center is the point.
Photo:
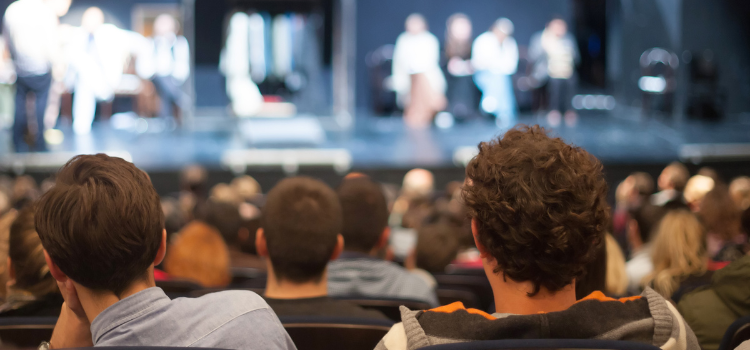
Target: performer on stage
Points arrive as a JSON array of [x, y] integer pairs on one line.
[[417, 78], [555, 54], [462, 96], [495, 60]]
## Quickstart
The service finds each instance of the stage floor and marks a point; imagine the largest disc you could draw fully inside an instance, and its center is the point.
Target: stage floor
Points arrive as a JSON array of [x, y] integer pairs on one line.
[[386, 143]]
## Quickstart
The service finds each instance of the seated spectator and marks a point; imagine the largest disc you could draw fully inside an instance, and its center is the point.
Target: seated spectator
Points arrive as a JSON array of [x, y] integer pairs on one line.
[[616, 283], [359, 272], [640, 233], [199, 254], [696, 189], [679, 256], [102, 229], [630, 195], [31, 290], [6, 220], [710, 310], [671, 183], [722, 218], [437, 247], [300, 234], [539, 211], [228, 219]]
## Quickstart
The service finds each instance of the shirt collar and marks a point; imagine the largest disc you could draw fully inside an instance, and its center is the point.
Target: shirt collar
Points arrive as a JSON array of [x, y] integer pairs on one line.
[[356, 255], [126, 310]]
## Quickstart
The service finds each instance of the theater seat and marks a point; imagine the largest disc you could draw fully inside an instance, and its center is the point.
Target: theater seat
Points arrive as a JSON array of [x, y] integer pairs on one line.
[[479, 285], [320, 332], [544, 344], [736, 334], [389, 307], [178, 288], [25, 332], [451, 295]]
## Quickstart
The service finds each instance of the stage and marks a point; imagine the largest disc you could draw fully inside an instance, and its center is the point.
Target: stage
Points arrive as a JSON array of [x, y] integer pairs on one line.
[[377, 144]]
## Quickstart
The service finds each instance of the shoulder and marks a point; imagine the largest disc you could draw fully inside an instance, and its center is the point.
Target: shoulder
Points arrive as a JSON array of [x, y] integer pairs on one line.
[[234, 302]]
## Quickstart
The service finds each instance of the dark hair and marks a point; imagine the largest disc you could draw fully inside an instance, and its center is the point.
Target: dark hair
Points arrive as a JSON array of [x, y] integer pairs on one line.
[[720, 214], [647, 217], [437, 246], [27, 256], [365, 213], [102, 222], [595, 275], [678, 175], [301, 221], [223, 216], [539, 206]]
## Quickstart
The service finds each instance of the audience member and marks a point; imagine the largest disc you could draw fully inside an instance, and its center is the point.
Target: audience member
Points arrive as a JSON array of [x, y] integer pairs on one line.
[[6, 220], [247, 188], [722, 219], [31, 290], [679, 256], [739, 188], [199, 254], [538, 223], [640, 234], [226, 218], [631, 194], [710, 310], [671, 182], [696, 189], [299, 234], [616, 283], [358, 272], [102, 229], [437, 247]]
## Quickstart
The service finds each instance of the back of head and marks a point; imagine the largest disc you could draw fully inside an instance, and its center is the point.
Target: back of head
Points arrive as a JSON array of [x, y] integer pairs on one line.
[[696, 189], [647, 217], [27, 257], [102, 222], [437, 246], [198, 253], [539, 206], [643, 183], [719, 213], [674, 176], [301, 221], [365, 213], [246, 187], [223, 216], [679, 251], [740, 191], [418, 183]]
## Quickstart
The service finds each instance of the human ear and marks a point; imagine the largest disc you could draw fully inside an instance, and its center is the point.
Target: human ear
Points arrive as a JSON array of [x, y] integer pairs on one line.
[[261, 246], [162, 248], [339, 247], [55, 271]]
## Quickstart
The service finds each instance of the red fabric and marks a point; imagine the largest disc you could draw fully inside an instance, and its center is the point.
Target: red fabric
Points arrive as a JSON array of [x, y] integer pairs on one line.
[[717, 265], [160, 275]]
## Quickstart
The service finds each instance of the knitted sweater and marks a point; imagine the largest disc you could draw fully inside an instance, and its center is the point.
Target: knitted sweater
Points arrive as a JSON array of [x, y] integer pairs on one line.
[[647, 318]]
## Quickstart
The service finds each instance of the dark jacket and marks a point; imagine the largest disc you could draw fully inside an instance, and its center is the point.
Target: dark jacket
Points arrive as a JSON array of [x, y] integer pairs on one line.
[[710, 310], [647, 318]]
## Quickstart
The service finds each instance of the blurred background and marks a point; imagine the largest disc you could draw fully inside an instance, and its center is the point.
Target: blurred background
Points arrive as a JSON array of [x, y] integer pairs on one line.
[[271, 87]]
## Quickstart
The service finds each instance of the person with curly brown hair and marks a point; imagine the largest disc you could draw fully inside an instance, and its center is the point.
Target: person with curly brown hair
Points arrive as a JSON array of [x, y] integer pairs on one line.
[[538, 214]]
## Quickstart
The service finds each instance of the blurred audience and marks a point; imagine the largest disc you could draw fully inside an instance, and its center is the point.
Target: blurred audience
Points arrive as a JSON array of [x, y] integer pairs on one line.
[[739, 189], [616, 282], [722, 218], [710, 310], [436, 248], [300, 234], [695, 190], [31, 289], [640, 234], [228, 220], [679, 256], [359, 272], [671, 182], [199, 254]]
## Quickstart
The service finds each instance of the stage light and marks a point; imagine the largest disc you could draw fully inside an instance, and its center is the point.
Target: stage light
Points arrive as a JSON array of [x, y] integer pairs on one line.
[[444, 120], [601, 102], [652, 84], [589, 102], [578, 101], [609, 103]]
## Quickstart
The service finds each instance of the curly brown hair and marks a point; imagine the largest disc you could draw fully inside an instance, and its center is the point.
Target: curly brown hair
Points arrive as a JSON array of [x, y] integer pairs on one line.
[[539, 205]]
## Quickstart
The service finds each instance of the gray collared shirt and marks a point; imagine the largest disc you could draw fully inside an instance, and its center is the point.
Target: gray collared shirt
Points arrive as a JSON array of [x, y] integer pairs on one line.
[[227, 320]]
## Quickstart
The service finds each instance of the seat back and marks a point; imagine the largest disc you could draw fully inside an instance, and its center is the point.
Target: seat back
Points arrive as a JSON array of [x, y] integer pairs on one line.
[[479, 285], [544, 344], [451, 295], [388, 307], [178, 288], [319, 332], [25, 332], [736, 334]]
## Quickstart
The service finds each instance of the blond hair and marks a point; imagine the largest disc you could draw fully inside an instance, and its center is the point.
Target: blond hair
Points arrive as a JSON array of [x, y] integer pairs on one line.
[[616, 282], [678, 252], [199, 254]]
